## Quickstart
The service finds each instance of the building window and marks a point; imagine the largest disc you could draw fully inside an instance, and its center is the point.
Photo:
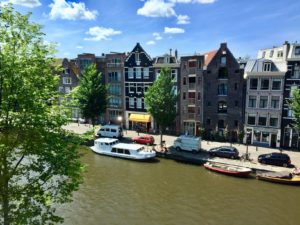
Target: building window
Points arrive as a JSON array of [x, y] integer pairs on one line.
[[236, 123], [271, 53], [297, 50], [262, 120], [183, 96], [293, 88], [235, 86], [131, 102], [67, 90], [114, 76], [296, 72], [67, 80], [263, 102], [264, 84], [267, 66], [253, 83], [199, 96], [222, 89], [174, 75], [132, 88], [61, 89], [273, 121], [223, 73], [139, 88], [130, 73], [146, 73], [139, 103], [236, 103], [137, 57], [208, 121], [208, 103], [290, 113], [263, 54], [222, 107], [252, 102], [280, 54], [276, 84], [192, 64], [138, 73], [275, 102], [223, 60], [221, 124], [184, 81], [251, 119]]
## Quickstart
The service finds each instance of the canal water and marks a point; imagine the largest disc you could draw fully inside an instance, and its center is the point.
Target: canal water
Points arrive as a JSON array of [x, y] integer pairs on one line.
[[122, 192]]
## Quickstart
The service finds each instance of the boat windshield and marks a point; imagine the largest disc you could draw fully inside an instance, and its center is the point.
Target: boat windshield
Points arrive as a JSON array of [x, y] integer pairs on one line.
[[141, 149]]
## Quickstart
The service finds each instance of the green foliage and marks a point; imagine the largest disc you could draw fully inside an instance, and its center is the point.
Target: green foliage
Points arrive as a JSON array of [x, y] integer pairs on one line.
[[91, 96], [241, 135], [295, 106], [161, 100], [39, 162]]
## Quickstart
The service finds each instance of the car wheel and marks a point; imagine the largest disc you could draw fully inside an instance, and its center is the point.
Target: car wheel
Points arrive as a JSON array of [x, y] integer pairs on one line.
[[178, 149], [285, 165], [232, 157]]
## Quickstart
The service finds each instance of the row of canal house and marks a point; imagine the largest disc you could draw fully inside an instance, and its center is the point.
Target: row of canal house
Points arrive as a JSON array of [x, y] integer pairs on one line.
[[270, 80], [216, 92]]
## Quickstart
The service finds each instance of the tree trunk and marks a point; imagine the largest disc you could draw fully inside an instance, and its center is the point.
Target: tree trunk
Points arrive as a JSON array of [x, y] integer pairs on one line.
[[161, 136]]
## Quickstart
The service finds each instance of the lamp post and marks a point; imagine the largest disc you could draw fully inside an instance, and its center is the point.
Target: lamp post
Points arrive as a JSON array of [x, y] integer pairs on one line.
[[247, 143]]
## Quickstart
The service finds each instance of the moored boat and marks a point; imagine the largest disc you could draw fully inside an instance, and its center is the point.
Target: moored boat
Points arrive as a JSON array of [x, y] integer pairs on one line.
[[232, 170], [112, 147], [279, 177]]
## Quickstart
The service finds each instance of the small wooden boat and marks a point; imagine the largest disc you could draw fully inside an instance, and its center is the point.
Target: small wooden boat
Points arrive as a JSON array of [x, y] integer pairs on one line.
[[232, 170], [279, 177]]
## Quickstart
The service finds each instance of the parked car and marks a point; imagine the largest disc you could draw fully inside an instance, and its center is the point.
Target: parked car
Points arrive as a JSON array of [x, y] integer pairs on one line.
[[224, 151], [144, 139], [275, 158], [187, 143], [112, 131]]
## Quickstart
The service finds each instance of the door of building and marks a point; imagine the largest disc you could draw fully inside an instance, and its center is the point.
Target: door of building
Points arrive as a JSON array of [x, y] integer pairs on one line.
[[273, 140]]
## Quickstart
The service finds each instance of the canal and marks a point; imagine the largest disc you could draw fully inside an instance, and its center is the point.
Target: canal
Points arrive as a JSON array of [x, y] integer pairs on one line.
[[122, 192]]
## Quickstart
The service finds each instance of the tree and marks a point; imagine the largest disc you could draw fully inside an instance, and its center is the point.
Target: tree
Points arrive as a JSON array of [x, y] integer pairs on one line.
[[161, 100], [39, 162], [91, 95], [295, 106]]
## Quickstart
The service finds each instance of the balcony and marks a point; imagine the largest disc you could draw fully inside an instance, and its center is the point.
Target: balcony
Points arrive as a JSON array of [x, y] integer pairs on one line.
[[192, 86], [192, 101]]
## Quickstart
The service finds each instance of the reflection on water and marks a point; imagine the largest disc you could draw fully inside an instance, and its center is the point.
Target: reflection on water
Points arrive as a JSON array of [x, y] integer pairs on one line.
[[121, 192]]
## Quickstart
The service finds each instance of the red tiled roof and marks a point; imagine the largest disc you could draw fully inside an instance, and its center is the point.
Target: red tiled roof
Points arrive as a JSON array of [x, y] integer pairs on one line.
[[208, 56]]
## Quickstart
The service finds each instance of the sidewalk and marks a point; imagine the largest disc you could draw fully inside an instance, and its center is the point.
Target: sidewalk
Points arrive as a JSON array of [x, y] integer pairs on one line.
[[206, 145]]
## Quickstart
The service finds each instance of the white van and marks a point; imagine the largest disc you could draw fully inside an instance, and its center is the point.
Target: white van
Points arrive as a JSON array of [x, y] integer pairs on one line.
[[113, 131], [187, 143]]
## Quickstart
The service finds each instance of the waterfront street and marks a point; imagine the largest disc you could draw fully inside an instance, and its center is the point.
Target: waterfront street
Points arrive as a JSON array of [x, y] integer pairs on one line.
[[206, 145]]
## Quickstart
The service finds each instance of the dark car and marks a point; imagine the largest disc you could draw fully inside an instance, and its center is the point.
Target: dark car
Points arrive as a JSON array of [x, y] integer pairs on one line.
[[278, 159], [224, 151], [144, 139]]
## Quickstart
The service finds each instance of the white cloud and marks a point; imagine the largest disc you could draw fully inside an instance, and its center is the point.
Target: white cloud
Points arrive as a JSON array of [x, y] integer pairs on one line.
[[157, 36], [157, 8], [183, 19], [71, 11], [26, 3], [173, 30], [150, 43], [79, 47], [193, 1], [101, 33]]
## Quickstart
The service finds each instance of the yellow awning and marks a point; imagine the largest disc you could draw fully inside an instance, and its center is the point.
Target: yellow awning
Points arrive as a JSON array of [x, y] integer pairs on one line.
[[140, 118]]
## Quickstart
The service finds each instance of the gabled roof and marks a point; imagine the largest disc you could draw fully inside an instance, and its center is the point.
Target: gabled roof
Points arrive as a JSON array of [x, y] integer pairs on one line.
[[208, 56], [138, 48]]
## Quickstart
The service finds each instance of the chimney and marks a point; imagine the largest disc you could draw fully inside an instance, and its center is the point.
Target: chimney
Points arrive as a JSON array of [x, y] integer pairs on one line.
[[176, 53], [170, 52]]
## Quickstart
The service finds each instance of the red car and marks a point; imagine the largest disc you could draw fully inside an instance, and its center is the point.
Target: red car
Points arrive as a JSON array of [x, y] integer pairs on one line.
[[145, 139]]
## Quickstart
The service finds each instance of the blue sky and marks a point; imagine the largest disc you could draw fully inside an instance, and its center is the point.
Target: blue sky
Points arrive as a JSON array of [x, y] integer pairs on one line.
[[102, 26]]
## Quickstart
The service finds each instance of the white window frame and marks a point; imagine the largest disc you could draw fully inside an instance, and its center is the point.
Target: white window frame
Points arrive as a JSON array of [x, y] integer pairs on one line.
[[130, 73], [146, 73], [131, 102], [138, 73], [67, 80], [138, 103], [267, 67]]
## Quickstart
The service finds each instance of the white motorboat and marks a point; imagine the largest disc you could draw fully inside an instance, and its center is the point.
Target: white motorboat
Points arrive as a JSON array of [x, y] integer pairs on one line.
[[112, 147]]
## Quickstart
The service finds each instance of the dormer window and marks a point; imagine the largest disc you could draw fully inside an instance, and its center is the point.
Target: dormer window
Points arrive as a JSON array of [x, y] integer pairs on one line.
[[280, 54], [263, 54], [297, 50], [267, 67], [223, 60], [271, 53]]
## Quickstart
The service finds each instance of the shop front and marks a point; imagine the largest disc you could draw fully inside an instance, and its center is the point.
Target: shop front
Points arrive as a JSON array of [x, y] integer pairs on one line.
[[140, 122], [263, 137]]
